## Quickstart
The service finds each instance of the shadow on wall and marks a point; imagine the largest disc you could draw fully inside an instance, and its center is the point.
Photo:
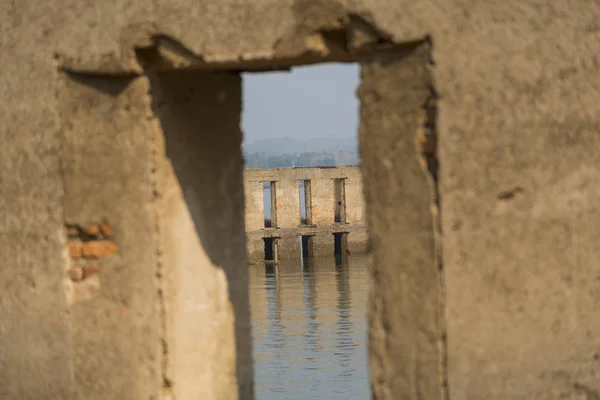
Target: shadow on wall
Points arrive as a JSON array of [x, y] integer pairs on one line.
[[201, 141]]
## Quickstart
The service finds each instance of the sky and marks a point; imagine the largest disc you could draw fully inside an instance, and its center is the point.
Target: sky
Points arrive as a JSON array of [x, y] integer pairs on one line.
[[308, 102]]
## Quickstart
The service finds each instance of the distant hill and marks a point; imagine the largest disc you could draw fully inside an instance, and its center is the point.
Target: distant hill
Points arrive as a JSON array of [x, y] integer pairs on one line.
[[287, 145]]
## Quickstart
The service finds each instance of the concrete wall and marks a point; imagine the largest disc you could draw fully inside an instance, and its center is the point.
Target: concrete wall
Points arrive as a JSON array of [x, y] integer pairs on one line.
[[322, 209], [191, 229], [323, 205], [288, 200], [503, 305], [254, 205], [355, 205]]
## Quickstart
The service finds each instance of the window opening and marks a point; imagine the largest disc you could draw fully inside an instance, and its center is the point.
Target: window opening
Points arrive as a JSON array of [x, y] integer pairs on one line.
[[305, 202], [270, 204], [340, 200], [270, 249]]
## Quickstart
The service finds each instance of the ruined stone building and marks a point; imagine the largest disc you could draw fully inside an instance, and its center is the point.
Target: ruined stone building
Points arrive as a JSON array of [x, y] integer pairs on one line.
[[122, 237], [313, 212]]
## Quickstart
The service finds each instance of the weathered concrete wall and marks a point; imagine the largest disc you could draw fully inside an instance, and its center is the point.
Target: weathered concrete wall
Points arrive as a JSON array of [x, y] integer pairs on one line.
[[355, 204], [520, 186], [323, 205], [322, 209], [288, 194], [287, 203], [253, 196], [406, 321], [192, 228], [112, 319], [141, 305], [516, 86]]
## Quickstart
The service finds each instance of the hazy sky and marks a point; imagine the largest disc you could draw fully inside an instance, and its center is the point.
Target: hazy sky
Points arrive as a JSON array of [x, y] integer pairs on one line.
[[307, 102]]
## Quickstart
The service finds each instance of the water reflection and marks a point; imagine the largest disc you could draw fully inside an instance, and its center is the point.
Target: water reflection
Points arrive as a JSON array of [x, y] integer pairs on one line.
[[309, 329]]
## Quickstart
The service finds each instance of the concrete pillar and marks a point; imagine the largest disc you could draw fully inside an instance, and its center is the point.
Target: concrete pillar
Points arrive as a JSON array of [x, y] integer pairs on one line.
[[323, 244], [355, 208], [288, 202], [255, 247], [406, 337], [358, 241], [288, 248], [323, 206]]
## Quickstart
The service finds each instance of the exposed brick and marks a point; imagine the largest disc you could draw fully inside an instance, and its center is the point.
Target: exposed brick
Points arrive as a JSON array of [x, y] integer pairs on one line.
[[93, 230], [76, 274], [90, 270], [75, 248], [106, 229], [99, 249]]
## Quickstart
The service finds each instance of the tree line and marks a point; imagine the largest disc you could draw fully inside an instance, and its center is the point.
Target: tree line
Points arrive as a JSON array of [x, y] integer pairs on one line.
[[304, 159]]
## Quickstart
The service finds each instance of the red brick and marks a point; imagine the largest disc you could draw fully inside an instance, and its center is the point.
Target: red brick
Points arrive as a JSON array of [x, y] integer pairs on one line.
[[90, 270], [75, 249], [106, 229], [99, 249], [76, 274], [93, 230]]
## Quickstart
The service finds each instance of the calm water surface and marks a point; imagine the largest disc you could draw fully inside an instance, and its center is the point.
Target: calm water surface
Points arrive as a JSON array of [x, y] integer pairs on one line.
[[309, 329]]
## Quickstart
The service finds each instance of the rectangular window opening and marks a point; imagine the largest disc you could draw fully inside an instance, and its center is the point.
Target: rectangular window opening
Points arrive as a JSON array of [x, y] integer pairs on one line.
[[340, 200], [307, 117], [270, 249], [270, 204], [305, 202]]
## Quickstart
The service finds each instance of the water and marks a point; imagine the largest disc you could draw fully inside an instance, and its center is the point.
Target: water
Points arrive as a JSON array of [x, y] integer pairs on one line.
[[309, 330]]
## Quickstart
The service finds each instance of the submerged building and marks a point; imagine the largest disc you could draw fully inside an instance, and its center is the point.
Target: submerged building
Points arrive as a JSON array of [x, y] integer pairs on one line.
[[122, 244], [304, 212]]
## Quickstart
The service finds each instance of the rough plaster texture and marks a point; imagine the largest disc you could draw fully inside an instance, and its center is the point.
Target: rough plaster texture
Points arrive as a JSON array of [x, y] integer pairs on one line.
[[287, 203], [358, 241], [288, 248], [322, 210], [323, 202], [518, 88], [206, 291], [254, 205], [405, 322], [520, 180], [323, 244], [355, 210], [124, 345], [115, 332]]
